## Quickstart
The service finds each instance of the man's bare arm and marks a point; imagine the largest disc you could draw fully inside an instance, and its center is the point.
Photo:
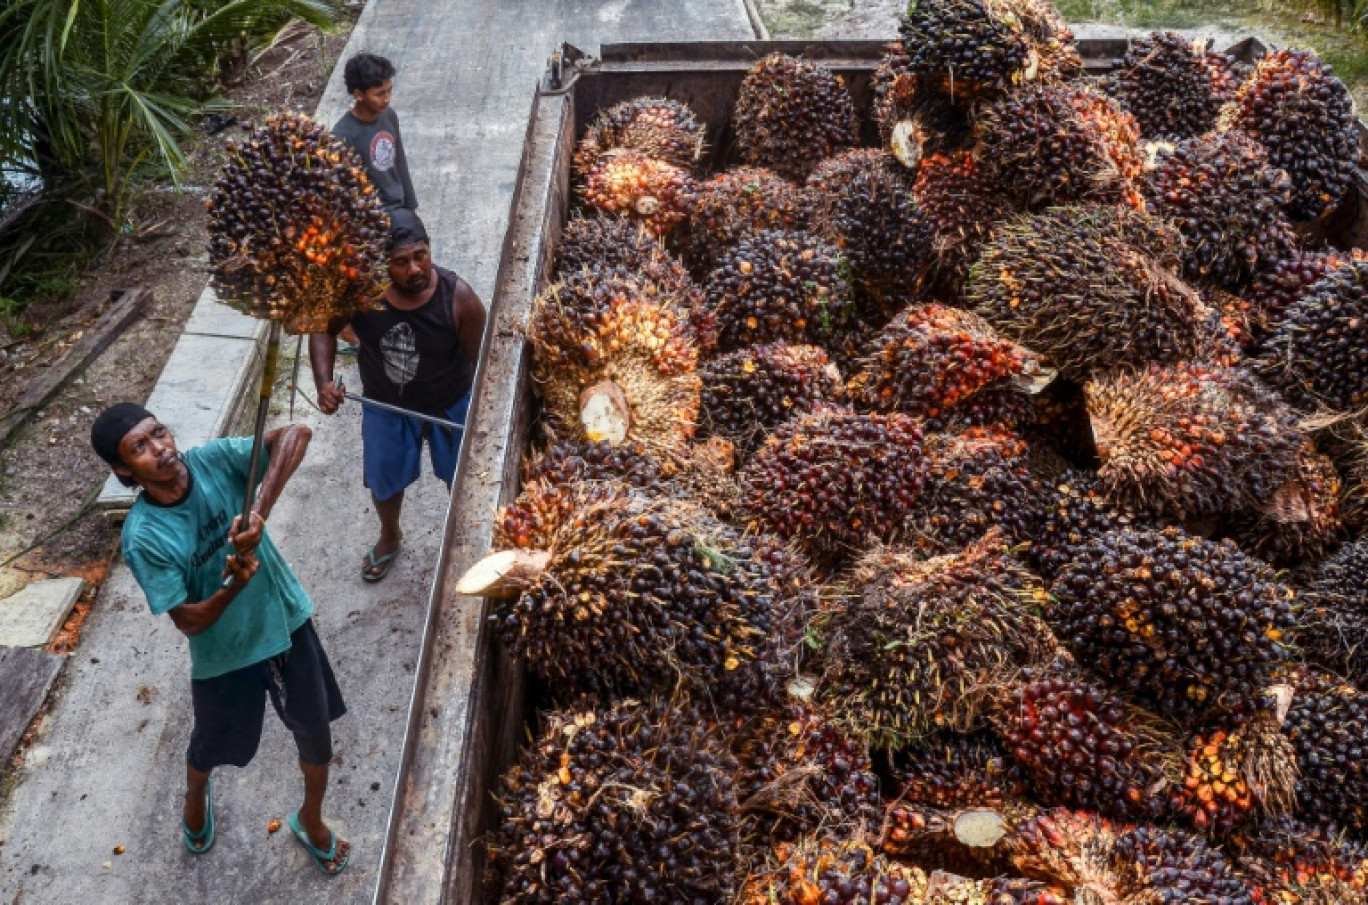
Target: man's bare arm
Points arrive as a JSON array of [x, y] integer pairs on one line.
[[194, 618], [322, 360], [287, 446], [469, 315]]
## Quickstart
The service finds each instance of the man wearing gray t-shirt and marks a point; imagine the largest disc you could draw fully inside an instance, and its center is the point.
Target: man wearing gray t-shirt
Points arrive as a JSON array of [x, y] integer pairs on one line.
[[372, 129]]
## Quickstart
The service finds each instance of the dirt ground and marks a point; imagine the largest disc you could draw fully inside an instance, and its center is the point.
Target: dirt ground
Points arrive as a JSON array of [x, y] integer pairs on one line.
[[48, 475]]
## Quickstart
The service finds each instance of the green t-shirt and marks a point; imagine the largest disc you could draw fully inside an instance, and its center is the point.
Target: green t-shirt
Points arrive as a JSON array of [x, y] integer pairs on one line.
[[177, 555]]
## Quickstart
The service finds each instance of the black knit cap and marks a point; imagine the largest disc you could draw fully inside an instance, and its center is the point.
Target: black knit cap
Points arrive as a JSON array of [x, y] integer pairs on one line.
[[405, 229], [112, 425]]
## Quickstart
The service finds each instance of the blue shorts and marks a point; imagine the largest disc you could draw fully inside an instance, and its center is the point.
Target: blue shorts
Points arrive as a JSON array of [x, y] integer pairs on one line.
[[392, 448]]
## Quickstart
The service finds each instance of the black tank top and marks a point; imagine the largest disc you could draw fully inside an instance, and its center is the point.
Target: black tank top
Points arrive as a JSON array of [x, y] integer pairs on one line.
[[413, 358]]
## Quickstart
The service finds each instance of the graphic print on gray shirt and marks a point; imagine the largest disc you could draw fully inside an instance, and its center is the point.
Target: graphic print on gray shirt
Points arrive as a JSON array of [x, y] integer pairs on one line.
[[382, 151]]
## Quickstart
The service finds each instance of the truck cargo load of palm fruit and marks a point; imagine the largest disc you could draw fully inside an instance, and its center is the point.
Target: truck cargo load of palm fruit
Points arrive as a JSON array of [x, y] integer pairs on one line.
[[969, 515]]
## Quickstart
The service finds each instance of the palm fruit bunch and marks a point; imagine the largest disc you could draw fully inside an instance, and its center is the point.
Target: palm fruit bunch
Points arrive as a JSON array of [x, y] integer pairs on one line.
[[620, 246], [1192, 440], [914, 646], [834, 481], [296, 230], [1317, 353], [1286, 282], [791, 114], [633, 593], [1164, 867], [1003, 407], [1334, 617], [1067, 848], [1052, 40], [914, 120], [779, 285], [1074, 510], [1173, 86], [655, 126], [1222, 195], [930, 358], [1328, 726], [826, 871], [1235, 775], [962, 203], [630, 802], [870, 214], [1302, 114], [978, 480], [748, 392], [1191, 625], [956, 798], [801, 773], [968, 50], [1048, 145], [733, 205], [632, 184], [1302, 521], [1288, 861], [1090, 288], [615, 361]]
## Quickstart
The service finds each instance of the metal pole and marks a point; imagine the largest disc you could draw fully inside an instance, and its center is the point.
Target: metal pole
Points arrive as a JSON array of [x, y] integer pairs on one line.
[[385, 406], [268, 377]]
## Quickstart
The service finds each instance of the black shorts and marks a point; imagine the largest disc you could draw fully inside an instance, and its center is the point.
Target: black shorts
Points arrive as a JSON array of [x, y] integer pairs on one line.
[[230, 709]]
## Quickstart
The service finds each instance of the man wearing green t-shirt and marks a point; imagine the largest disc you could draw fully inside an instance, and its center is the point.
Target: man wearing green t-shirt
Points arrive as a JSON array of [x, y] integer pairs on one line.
[[250, 641]]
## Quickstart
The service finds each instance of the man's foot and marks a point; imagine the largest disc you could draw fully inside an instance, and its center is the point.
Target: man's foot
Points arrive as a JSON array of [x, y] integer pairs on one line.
[[198, 819], [330, 853], [375, 565]]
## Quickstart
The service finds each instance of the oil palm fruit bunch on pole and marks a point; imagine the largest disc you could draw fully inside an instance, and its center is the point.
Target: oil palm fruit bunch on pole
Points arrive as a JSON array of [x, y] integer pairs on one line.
[[779, 285], [1189, 625], [749, 392], [791, 114], [1089, 288], [933, 357], [733, 205], [916, 646], [655, 126], [834, 481], [1316, 354], [615, 362], [631, 801], [1222, 195], [296, 231], [1190, 441], [636, 185], [1061, 144], [1302, 114], [1175, 87]]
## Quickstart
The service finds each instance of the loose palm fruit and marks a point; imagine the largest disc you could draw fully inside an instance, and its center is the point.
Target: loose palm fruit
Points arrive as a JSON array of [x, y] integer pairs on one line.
[[631, 801], [835, 482], [1082, 746], [1317, 353], [1303, 116], [615, 361], [1191, 440], [962, 203], [916, 646], [296, 230], [1227, 202], [1048, 145], [801, 773], [1173, 86], [777, 285], [749, 392], [1191, 625], [655, 126], [1092, 289], [791, 114], [734, 205], [654, 193], [933, 357]]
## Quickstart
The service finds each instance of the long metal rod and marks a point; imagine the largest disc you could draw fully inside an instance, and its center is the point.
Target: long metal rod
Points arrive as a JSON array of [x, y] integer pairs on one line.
[[268, 378], [385, 406]]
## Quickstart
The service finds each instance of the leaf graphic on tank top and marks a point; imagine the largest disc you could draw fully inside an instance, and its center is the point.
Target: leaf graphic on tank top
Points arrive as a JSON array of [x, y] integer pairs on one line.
[[399, 348]]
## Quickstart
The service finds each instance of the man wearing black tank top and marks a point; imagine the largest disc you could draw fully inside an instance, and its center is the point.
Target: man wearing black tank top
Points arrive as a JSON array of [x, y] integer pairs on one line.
[[418, 351]]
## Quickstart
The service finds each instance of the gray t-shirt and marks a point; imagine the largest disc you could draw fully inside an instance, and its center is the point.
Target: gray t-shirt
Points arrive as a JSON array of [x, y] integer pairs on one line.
[[382, 151]]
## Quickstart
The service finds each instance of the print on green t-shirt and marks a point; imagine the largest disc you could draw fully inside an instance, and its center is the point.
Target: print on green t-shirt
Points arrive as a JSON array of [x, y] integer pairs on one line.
[[177, 554]]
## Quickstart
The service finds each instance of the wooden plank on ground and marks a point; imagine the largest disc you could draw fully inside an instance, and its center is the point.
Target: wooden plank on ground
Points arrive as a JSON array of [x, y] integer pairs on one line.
[[85, 350], [26, 675]]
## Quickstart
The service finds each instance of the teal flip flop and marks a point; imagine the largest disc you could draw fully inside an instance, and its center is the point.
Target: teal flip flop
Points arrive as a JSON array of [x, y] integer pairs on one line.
[[201, 842], [380, 563], [321, 858]]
